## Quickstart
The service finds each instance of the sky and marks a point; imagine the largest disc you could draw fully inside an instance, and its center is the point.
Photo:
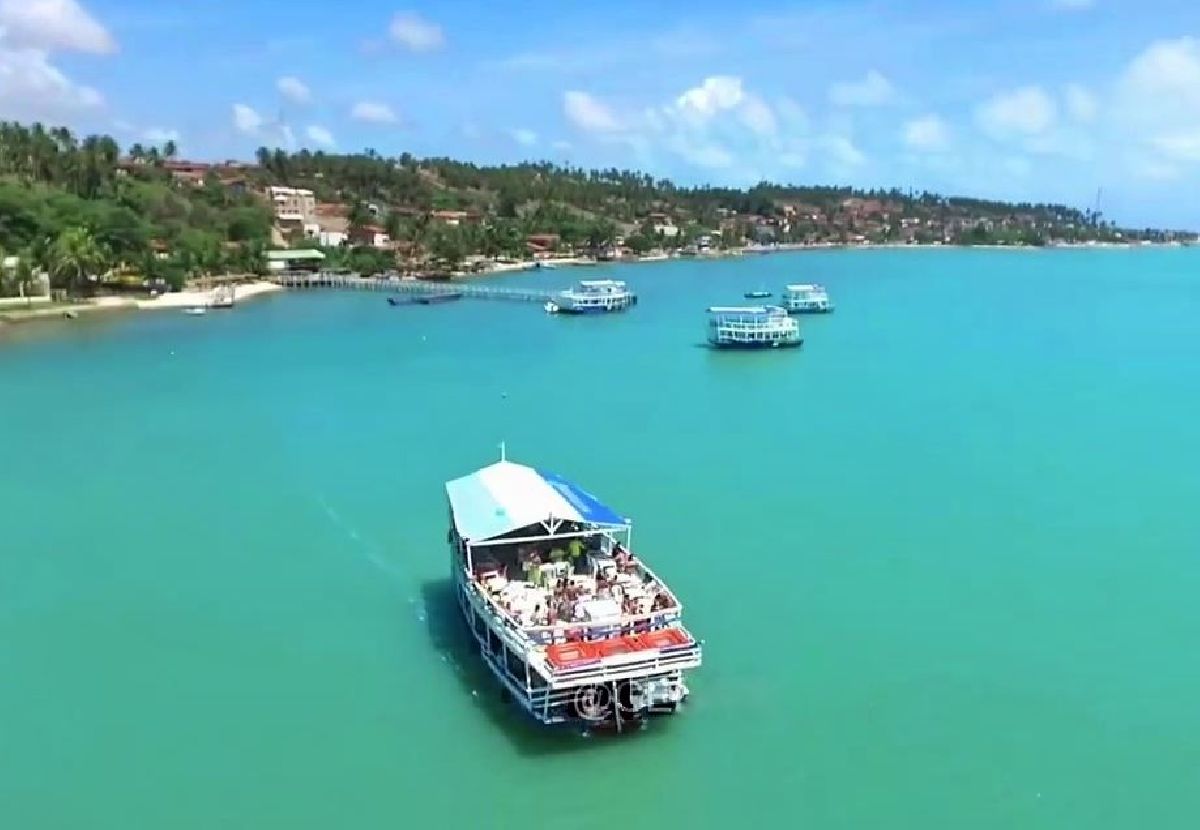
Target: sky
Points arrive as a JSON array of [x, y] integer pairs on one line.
[[1079, 101]]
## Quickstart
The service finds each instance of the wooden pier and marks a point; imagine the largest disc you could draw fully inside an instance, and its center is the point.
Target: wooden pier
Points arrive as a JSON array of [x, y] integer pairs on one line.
[[354, 282]]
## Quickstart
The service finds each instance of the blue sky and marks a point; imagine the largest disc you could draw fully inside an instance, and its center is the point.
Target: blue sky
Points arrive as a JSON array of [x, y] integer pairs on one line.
[[1023, 99]]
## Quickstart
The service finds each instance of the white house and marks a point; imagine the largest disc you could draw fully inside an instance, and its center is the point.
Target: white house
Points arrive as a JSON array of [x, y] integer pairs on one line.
[[305, 259]]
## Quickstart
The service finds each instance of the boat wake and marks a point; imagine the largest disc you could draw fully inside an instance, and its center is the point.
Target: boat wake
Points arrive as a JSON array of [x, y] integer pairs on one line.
[[370, 551]]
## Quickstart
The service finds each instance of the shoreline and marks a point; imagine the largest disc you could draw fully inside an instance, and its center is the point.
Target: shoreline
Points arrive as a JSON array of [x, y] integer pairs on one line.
[[42, 310], [14, 315]]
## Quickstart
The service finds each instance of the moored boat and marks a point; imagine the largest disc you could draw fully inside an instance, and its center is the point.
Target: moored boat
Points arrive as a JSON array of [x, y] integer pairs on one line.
[[806, 298], [438, 299], [757, 295], [574, 626], [752, 327], [594, 297]]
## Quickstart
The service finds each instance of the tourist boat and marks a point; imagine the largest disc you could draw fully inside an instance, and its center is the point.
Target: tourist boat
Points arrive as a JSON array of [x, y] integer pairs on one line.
[[806, 298], [592, 297], [574, 626], [757, 295], [752, 327]]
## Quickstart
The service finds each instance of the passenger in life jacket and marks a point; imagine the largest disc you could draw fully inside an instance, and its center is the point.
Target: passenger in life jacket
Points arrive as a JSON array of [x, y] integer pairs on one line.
[[575, 550]]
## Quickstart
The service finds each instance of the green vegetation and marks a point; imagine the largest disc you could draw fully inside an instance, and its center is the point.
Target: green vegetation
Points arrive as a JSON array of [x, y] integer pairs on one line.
[[69, 207], [75, 209]]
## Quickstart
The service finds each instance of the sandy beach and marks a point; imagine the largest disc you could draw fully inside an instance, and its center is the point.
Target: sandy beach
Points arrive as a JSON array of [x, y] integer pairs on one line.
[[190, 299]]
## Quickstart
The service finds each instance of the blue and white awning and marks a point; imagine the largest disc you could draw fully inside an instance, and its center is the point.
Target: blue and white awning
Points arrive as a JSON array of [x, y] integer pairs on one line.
[[506, 497]]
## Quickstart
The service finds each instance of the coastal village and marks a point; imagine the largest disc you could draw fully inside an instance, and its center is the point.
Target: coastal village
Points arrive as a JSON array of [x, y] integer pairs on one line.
[[84, 222], [304, 224]]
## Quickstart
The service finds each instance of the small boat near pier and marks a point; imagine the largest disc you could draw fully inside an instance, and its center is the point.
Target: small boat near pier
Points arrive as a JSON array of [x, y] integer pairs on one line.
[[574, 626], [426, 299]]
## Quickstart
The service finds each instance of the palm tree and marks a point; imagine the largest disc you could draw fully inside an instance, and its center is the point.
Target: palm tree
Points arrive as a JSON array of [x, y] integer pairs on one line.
[[170, 149], [75, 257], [7, 287], [25, 278]]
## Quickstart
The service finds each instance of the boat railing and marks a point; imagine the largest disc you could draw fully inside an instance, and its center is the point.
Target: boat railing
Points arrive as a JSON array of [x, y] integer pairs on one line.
[[575, 631], [653, 662]]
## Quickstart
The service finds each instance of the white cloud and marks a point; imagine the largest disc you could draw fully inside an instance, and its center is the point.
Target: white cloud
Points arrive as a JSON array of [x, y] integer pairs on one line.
[[842, 152], [373, 112], [791, 115], [714, 94], [1081, 103], [758, 117], [1163, 82], [31, 88], [53, 25], [561, 146], [247, 120], [160, 135], [1179, 147], [1072, 5], [415, 33], [589, 114], [928, 134], [718, 125], [320, 136], [872, 91], [1156, 105], [526, 138], [294, 89], [1027, 111]]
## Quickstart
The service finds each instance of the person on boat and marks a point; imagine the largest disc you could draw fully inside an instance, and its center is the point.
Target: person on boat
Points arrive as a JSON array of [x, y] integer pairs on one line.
[[575, 550]]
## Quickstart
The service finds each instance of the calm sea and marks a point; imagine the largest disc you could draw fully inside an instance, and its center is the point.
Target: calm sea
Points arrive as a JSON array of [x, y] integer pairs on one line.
[[945, 558]]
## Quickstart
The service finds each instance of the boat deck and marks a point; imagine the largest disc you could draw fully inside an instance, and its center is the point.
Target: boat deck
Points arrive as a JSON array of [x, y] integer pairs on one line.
[[587, 620]]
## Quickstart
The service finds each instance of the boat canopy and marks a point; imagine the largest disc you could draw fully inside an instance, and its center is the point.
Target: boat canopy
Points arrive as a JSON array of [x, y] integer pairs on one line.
[[505, 497]]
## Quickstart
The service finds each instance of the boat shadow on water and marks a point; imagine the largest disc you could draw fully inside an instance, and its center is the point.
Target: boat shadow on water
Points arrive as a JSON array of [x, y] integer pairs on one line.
[[449, 634]]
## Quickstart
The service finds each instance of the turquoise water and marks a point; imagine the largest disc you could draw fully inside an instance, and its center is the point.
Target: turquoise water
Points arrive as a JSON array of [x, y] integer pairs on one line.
[[944, 558]]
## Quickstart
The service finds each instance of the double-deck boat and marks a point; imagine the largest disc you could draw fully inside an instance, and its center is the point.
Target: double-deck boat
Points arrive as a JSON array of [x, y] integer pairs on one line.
[[806, 298], [752, 327], [592, 297], [575, 627]]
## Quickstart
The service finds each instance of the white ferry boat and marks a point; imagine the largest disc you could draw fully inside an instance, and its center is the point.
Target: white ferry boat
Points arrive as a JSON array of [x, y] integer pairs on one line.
[[592, 297], [806, 298], [576, 627], [752, 327]]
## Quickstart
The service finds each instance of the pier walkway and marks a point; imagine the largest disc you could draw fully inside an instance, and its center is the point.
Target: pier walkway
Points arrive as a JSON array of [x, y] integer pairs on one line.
[[354, 282]]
